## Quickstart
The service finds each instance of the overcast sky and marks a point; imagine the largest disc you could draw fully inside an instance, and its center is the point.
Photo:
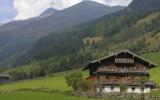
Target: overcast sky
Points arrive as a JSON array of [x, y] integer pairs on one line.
[[24, 9]]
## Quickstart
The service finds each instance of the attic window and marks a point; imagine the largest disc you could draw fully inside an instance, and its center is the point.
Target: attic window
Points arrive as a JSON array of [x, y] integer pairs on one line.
[[124, 60]]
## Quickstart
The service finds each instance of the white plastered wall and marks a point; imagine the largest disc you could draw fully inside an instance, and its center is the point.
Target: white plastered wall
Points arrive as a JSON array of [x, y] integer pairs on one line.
[[107, 89]]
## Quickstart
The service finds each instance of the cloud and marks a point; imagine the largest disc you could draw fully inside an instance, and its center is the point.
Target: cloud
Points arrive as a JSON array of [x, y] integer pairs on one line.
[[32, 8], [114, 2], [62, 4]]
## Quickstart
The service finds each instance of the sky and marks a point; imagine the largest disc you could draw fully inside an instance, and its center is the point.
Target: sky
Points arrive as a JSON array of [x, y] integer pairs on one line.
[[7, 11], [24, 9]]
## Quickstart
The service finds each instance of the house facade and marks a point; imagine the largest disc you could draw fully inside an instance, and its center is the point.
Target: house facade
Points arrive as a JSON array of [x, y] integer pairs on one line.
[[123, 71]]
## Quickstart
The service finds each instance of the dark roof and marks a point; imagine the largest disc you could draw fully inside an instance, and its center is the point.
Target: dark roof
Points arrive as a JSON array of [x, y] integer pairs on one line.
[[151, 65]]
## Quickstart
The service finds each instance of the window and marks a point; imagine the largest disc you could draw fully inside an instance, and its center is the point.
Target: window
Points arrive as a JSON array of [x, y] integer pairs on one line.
[[112, 88], [133, 88]]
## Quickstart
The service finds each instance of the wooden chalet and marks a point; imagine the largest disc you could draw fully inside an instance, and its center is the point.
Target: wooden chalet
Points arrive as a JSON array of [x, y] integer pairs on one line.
[[123, 68], [4, 78]]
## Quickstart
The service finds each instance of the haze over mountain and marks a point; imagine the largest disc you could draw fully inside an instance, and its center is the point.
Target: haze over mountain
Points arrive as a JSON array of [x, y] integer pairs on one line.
[[18, 36]]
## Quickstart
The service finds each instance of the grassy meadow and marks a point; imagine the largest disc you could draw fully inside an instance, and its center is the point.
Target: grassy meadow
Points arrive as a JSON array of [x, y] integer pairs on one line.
[[53, 82], [38, 96], [57, 82]]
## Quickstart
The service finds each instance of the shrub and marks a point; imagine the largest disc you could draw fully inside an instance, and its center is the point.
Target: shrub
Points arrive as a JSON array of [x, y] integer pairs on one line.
[[74, 80]]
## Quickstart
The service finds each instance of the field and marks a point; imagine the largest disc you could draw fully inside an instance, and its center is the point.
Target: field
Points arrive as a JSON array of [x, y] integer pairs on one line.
[[38, 96], [57, 82]]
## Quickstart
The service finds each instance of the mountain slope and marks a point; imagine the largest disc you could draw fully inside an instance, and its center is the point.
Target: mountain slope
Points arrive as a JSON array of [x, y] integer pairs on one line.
[[131, 29], [18, 36]]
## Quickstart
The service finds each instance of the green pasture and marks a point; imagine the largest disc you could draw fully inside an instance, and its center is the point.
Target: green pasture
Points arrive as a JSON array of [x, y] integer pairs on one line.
[[54, 82], [38, 96]]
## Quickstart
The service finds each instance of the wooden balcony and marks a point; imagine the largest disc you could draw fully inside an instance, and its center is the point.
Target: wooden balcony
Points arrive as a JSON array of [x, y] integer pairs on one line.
[[116, 82], [120, 70]]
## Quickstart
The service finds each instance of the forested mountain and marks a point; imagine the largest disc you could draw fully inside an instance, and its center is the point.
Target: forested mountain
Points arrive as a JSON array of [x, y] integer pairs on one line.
[[136, 28], [18, 36]]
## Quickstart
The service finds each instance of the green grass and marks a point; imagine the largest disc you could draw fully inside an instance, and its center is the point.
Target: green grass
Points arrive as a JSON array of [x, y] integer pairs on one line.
[[28, 95], [57, 82], [38, 96], [155, 75], [155, 58]]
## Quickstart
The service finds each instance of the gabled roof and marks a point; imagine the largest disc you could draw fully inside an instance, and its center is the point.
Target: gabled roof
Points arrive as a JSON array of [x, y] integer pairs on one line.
[[150, 64]]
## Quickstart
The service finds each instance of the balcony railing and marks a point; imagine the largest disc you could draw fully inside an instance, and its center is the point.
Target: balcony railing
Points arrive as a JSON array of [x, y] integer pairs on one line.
[[116, 82], [123, 71]]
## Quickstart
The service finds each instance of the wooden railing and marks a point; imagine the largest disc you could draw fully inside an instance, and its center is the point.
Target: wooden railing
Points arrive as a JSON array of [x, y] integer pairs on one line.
[[131, 82], [119, 70]]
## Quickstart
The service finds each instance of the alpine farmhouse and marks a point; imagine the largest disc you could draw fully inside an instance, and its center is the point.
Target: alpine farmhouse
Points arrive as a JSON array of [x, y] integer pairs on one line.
[[119, 70]]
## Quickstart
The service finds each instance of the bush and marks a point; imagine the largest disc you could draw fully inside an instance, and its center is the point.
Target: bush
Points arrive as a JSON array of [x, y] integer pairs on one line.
[[74, 80]]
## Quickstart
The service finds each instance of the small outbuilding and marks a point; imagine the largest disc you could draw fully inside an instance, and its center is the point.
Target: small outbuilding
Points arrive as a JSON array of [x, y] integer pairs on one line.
[[4, 78]]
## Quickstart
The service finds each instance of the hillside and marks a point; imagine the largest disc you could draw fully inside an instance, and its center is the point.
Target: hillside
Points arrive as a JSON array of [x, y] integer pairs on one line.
[[19, 36], [155, 56], [135, 28]]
